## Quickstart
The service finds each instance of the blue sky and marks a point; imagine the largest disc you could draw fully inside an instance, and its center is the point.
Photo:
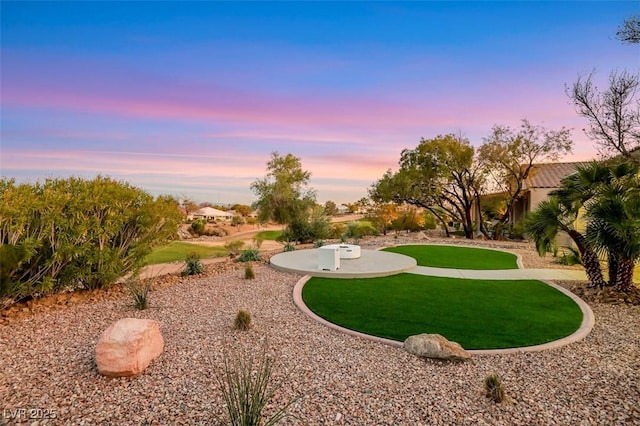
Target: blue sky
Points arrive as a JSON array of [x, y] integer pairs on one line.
[[190, 98]]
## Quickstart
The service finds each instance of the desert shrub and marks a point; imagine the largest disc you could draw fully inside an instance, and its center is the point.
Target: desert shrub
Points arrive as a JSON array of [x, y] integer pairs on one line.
[[249, 255], [139, 292], [318, 243], [336, 230], [517, 230], [251, 221], [570, 256], [238, 221], [193, 266], [289, 246], [494, 388], [361, 228], [407, 220], [215, 232], [257, 241], [76, 233], [249, 273], [234, 246], [247, 385], [242, 321], [429, 221], [198, 227]]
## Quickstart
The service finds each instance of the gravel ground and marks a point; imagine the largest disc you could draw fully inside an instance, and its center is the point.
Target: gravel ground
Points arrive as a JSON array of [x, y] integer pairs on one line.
[[47, 363]]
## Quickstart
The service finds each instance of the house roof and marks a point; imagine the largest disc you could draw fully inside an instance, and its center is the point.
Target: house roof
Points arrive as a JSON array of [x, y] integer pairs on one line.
[[549, 175], [211, 212]]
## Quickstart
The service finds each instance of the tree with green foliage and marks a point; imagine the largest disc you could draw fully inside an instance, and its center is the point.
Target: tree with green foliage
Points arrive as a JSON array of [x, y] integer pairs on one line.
[[70, 233], [284, 196], [330, 208], [509, 156], [440, 175], [241, 209]]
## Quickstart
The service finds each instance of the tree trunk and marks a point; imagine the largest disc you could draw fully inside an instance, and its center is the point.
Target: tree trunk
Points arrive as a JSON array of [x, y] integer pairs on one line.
[[614, 266], [589, 259], [624, 278]]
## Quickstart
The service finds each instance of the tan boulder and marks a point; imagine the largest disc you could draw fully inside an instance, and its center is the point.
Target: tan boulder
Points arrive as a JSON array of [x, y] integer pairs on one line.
[[128, 346], [435, 346]]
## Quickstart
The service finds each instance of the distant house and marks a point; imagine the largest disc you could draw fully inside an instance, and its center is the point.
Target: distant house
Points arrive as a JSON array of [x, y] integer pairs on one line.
[[209, 213], [542, 179]]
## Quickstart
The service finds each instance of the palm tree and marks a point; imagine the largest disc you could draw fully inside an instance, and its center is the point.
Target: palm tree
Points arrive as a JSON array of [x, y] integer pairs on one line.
[[613, 221], [610, 195], [551, 217]]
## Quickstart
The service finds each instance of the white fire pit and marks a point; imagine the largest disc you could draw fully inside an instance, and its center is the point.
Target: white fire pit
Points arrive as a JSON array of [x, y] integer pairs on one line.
[[347, 251]]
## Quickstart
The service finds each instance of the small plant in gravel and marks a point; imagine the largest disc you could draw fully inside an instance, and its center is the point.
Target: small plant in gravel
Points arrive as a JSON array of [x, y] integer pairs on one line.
[[193, 266], [570, 258], [249, 255], [139, 292], [234, 247], [494, 388], [247, 386], [289, 246], [318, 243], [257, 241], [249, 273], [242, 321]]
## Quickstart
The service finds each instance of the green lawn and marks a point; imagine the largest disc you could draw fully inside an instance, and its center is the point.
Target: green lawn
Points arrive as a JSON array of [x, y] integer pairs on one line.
[[179, 251], [269, 235], [457, 257], [478, 314]]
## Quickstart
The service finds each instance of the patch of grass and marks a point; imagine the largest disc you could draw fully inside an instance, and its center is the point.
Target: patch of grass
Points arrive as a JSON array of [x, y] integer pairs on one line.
[[178, 250], [269, 235], [242, 321], [478, 314], [457, 257]]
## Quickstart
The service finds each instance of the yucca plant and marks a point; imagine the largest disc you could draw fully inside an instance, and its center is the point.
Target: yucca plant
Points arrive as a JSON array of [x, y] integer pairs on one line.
[[289, 246], [139, 292], [247, 387], [249, 255], [193, 266]]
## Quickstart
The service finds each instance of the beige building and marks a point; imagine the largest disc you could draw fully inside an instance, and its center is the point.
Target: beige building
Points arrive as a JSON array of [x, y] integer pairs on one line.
[[542, 179]]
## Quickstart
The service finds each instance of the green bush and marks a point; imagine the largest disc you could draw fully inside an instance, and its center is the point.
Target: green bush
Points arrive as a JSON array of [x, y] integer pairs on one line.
[[429, 221], [289, 247], [318, 243], [75, 233], [249, 255], [570, 256], [193, 266], [198, 227]]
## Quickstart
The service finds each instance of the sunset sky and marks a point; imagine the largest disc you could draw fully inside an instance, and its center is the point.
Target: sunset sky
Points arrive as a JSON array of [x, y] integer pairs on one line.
[[190, 98]]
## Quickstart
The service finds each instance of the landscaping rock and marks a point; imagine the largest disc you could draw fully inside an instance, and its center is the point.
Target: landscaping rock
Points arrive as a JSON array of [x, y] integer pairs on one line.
[[128, 346], [435, 346]]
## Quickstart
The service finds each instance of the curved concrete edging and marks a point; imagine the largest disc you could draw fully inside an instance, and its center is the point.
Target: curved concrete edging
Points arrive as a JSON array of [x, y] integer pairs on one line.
[[588, 321]]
